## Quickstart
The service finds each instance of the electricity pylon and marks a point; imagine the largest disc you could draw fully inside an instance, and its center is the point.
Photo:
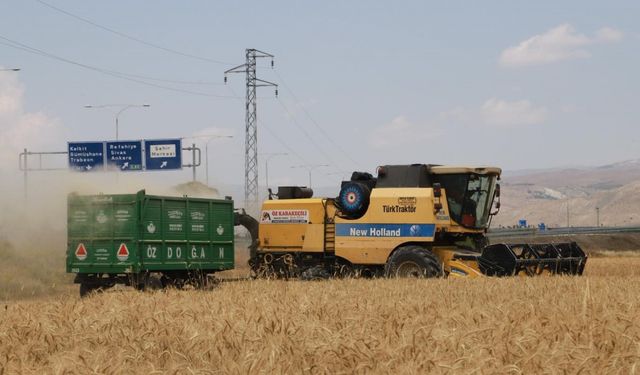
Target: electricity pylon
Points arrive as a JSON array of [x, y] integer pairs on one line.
[[251, 125]]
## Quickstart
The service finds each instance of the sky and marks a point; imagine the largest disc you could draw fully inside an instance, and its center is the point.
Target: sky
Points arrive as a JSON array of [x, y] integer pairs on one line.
[[514, 84]]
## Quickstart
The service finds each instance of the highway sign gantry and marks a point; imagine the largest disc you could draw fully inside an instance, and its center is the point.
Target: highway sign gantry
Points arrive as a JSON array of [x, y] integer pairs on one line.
[[163, 154], [140, 155], [86, 156], [125, 155]]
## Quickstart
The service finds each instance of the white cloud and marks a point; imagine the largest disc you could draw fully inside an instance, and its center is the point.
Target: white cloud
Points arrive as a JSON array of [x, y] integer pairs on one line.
[[560, 43], [19, 129], [608, 35], [458, 114], [505, 113], [399, 132]]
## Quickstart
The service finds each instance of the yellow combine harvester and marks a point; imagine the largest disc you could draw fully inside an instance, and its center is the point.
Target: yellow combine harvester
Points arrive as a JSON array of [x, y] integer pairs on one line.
[[410, 221]]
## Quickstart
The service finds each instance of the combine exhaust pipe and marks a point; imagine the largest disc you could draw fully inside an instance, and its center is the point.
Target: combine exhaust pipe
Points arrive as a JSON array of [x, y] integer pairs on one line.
[[532, 259]]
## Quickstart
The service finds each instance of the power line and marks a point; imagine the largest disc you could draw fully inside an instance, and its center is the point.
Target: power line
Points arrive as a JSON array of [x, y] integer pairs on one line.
[[179, 82], [125, 76], [284, 144], [133, 38], [273, 134], [116, 74], [324, 133], [302, 129], [306, 134]]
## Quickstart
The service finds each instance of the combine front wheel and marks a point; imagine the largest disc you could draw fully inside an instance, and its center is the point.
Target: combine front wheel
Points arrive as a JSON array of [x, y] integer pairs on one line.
[[413, 261]]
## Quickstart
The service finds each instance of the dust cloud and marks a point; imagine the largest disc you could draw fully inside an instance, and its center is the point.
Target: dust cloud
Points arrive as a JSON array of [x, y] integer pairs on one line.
[[38, 213], [33, 206], [33, 222]]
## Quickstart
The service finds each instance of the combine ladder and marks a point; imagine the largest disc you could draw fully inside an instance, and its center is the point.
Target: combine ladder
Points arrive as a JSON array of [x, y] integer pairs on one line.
[[329, 238]]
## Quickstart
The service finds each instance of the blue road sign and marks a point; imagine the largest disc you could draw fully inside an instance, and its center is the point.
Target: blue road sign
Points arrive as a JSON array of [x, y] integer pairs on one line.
[[125, 155], [86, 156], [163, 154]]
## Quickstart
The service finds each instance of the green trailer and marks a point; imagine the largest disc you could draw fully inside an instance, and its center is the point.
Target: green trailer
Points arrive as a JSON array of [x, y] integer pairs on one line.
[[147, 241]]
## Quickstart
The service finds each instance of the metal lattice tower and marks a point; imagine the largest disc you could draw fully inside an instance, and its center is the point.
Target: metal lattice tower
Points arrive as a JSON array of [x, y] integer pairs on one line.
[[251, 125]]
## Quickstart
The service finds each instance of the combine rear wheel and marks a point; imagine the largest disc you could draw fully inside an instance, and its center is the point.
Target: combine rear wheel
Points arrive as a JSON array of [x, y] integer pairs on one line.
[[413, 261]]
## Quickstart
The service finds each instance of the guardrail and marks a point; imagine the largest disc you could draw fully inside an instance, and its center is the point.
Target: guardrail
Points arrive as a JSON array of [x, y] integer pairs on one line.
[[510, 232]]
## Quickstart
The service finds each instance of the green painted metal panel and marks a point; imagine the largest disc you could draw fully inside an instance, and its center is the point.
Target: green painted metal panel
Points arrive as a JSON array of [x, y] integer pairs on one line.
[[152, 220], [199, 226], [126, 233], [174, 214], [102, 254], [98, 225]]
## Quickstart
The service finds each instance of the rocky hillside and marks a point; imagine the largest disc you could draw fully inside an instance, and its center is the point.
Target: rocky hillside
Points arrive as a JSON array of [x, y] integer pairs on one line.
[[544, 195]]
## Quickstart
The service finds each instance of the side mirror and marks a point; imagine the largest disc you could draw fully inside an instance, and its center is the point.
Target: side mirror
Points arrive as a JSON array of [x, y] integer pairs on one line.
[[437, 190], [437, 193], [497, 195]]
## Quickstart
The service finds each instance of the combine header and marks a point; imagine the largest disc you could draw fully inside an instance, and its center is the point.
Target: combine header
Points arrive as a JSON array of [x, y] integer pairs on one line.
[[410, 221], [532, 259]]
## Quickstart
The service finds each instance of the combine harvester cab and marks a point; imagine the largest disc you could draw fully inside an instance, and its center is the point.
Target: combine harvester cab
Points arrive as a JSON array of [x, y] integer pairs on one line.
[[416, 220]]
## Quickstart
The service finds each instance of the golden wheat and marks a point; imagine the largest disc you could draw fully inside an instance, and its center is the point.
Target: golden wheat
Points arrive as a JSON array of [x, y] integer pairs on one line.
[[512, 325]]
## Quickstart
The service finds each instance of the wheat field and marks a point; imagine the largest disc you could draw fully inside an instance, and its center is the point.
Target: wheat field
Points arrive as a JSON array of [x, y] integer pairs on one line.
[[585, 324]]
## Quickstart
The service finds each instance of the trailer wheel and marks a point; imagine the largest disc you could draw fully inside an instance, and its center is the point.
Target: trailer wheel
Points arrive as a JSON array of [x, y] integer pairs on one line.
[[153, 282], [199, 280], [413, 261], [149, 281], [88, 288]]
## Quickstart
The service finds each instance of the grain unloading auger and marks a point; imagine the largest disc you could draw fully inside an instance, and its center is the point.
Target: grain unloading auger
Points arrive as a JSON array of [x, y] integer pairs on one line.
[[410, 221]]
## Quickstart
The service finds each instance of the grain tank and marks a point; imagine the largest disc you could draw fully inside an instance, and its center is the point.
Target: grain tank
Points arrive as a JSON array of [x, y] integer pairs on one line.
[[147, 241]]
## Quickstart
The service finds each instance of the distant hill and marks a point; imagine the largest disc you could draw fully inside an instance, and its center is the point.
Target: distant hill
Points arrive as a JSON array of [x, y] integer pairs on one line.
[[543, 196]]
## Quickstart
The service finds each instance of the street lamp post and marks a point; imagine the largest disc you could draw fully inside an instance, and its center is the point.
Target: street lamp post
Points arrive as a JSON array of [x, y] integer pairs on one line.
[[10, 70], [124, 108], [209, 137], [310, 168], [266, 164]]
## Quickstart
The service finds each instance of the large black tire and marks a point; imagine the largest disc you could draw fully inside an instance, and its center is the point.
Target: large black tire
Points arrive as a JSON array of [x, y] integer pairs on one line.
[[172, 282], [315, 273], [153, 282], [149, 282], [199, 280], [413, 261], [87, 289]]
